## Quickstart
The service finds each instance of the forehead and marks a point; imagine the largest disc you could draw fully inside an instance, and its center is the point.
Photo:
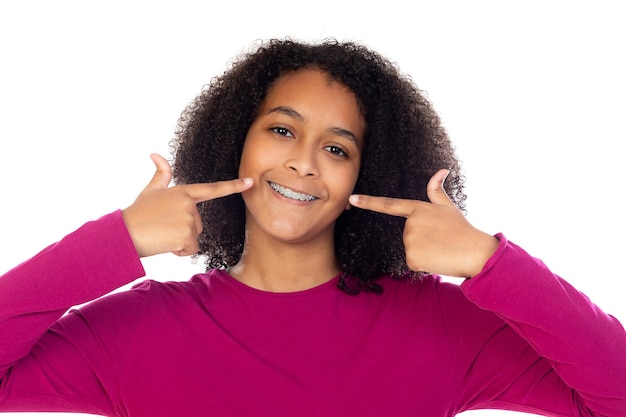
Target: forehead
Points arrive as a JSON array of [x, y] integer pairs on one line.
[[315, 92], [308, 81]]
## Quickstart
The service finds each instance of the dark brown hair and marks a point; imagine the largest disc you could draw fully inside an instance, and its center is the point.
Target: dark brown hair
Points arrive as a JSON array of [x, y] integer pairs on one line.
[[405, 144]]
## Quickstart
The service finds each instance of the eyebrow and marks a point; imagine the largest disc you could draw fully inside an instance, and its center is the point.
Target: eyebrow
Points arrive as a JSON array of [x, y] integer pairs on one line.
[[288, 111]]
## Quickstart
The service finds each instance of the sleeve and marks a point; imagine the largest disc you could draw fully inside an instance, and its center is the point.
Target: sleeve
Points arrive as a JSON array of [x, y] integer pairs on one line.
[[35, 357], [574, 359]]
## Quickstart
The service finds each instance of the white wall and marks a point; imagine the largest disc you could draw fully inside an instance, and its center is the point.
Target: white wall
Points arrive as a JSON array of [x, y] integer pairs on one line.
[[532, 94]]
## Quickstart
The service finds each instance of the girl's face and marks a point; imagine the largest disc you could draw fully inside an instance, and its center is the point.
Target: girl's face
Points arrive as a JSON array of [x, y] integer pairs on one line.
[[304, 152]]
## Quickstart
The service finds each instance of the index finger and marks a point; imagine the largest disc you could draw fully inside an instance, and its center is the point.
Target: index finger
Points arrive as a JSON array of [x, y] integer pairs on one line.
[[210, 191], [387, 205]]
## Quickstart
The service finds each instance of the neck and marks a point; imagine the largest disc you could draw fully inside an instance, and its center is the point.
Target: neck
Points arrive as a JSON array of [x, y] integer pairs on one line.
[[275, 266]]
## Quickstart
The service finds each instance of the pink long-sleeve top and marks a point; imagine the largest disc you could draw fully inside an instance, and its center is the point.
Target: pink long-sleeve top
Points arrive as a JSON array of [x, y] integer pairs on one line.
[[515, 337]]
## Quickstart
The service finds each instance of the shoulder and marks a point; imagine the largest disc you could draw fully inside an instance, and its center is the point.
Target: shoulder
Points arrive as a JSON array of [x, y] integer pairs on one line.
[[425, 287], [146, 296], [199, 292], [434, 296], [148, 308]]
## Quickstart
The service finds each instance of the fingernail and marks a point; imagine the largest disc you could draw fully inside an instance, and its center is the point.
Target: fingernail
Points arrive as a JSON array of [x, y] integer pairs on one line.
[[247, 181]]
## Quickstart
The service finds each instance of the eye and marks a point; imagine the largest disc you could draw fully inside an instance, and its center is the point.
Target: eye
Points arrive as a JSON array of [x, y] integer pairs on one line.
[[282, 131], [336, 150]]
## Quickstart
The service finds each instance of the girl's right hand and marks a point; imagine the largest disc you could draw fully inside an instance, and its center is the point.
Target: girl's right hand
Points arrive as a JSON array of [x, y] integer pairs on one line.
[[166, 219]]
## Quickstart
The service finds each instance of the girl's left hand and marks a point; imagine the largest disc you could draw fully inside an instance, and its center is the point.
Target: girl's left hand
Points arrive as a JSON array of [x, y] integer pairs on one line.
[[437, 236]]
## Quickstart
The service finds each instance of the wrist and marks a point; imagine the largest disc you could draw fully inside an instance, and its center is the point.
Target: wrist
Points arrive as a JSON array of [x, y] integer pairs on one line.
[[484, 250]]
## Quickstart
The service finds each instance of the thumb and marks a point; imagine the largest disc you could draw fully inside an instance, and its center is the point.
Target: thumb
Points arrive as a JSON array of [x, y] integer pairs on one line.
[[163, 174], [434, 189]]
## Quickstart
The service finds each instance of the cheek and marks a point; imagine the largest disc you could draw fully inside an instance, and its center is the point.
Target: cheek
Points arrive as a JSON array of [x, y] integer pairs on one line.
[[345, 187], [244, 164], [250, 156], [243, 158]]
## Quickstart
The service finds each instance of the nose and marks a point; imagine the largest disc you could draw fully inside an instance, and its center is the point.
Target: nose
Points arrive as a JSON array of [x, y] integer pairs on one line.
[[303, 160]]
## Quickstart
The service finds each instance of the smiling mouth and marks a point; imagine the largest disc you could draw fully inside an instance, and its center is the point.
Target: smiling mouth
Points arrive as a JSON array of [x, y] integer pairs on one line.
[[294, 195]]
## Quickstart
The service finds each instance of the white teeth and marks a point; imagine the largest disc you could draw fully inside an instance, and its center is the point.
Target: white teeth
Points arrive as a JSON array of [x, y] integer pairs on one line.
[[294, 195]]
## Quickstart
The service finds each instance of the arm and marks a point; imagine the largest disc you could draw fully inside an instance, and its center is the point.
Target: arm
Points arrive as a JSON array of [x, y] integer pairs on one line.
[[582, 345], [94, 260], [88, 263], [585, 346], [99, 257]]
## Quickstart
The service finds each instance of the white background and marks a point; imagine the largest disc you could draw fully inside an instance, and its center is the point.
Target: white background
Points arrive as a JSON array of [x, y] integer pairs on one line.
[[532, 94]]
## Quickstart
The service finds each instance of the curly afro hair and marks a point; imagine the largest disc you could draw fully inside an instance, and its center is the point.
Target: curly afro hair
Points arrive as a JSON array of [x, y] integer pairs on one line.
[[405, 144]]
